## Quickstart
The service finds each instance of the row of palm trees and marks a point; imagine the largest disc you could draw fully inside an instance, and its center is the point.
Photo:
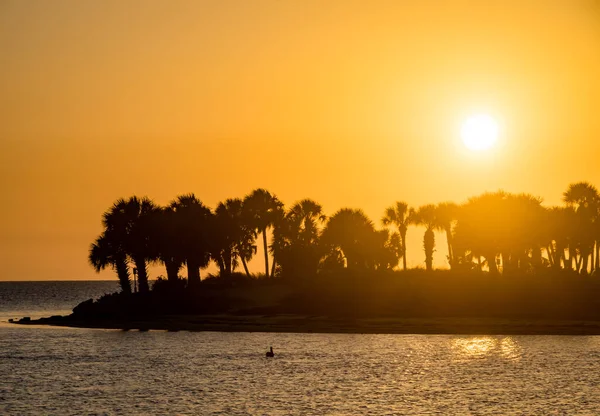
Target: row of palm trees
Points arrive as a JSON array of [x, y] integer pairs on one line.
[[499, 231], [504, 232]]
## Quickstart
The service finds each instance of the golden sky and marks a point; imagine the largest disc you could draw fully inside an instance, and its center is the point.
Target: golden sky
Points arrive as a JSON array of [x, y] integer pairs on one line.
[[351, 103]]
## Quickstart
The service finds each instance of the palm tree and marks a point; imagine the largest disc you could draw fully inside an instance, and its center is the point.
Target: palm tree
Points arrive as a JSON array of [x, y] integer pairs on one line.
[[310, 214], [261, 209], [307, 215], [399, 215], [234, 238], [561, 225], [296, 238], [446, 213], [506, 226], [220, 244], [192, 221], [104, 253], [246, 249], [525, 230], [166, 242], [427, 216], [481, 227], [129, 222], [581, 195], [393, 249], [352, 232], [584, 198]]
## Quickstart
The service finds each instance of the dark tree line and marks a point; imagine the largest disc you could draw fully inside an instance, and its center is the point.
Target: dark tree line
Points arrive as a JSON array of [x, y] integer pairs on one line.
[[500, 232]]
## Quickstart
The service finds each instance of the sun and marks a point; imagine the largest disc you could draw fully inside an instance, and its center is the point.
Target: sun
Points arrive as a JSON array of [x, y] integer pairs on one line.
[[479, 132]]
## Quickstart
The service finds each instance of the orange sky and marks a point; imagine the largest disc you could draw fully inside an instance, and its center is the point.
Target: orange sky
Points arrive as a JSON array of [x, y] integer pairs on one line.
[[351, 103]]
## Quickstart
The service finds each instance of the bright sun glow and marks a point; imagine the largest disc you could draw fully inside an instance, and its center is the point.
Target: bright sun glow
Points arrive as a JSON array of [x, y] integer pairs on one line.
[[479, 132]]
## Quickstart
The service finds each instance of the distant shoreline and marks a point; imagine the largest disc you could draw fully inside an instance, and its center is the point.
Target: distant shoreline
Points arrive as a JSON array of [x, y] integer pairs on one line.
[[322, 324]]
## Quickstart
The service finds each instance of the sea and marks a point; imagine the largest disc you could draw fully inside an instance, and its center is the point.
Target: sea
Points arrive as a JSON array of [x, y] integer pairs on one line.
[[73, 371]]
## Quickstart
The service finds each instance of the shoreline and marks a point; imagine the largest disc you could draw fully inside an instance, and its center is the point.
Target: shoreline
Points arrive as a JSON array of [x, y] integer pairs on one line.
[[328, 325]]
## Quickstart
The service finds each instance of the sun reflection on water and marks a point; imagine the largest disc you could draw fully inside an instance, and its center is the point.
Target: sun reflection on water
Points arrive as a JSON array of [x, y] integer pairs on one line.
[[511, 349], [479, 347], [473, 347]]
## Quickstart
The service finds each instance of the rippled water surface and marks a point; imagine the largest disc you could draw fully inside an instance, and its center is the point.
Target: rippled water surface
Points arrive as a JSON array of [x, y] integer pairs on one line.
[[37, 299], [78, 371]]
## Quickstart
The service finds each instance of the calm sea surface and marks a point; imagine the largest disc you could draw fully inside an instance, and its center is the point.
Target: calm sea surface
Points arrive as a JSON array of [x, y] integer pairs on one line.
[[63, 371]]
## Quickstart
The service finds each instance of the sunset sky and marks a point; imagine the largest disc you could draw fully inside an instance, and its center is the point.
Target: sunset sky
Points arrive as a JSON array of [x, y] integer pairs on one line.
[[352, 103]]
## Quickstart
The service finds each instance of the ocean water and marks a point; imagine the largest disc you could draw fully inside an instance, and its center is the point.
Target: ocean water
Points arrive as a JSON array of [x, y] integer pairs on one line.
[[38, 299], [65, 371]]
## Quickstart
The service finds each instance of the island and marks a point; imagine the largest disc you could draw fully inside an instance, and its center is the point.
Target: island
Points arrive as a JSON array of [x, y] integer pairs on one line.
[[514, 266], [412, 302]]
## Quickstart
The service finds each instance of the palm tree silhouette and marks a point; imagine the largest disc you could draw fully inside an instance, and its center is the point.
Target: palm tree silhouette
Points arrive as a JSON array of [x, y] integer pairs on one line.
[[235, 238], [129, 222], [393, 248], [446, 213], [584, 198], [480, 227], [525, 231], [426, 215], [504, 226], [561, 223], [350, 231], [307, 215], [261, 209], [166, 242], [192, 222], [104, 253], [581, 195], [296, 238], [399, 215]]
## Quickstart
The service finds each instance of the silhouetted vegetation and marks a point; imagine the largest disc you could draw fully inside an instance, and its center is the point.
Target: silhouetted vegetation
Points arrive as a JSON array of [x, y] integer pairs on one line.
[[497, 232], [345, 265]]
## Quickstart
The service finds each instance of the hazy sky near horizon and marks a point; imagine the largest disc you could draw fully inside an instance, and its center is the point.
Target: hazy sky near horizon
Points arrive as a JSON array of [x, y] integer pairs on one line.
[[351, 103]]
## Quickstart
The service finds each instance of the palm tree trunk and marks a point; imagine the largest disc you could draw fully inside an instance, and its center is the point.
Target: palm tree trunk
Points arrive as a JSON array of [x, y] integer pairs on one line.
[[142, 271], [572, 258], [597, 263], [123, 275], [594, 264], [403, 236], [245, 266], [550, 254], [585, 255], [450, 249], [428, 246], [491, 260], [221, 264], [559, 254], [264, 233], [172, 267], [228, 260], [273, 267], [193, 274]]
